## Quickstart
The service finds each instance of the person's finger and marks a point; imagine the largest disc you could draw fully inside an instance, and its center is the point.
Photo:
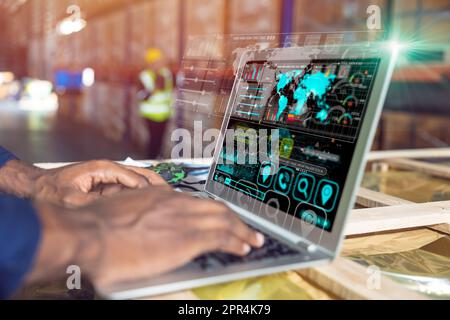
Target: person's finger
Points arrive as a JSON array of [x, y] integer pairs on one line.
[[208, 206], [110, 189], [106, 172], [204, 214], [75, 199], [187, 204], [152, 177], [198, 243], [227, 222]]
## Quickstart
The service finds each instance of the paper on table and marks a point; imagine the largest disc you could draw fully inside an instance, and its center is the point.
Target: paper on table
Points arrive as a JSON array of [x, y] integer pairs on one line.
[[133, 163]]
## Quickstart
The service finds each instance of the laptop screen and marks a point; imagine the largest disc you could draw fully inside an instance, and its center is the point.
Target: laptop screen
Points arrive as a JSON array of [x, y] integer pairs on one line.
[[316, 108]]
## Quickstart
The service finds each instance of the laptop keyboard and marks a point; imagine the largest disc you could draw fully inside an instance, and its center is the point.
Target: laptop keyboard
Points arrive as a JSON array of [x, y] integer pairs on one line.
[[272, 249]]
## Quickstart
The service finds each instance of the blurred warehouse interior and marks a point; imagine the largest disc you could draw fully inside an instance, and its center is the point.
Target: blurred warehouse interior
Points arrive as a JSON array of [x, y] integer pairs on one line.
[[77, 92]]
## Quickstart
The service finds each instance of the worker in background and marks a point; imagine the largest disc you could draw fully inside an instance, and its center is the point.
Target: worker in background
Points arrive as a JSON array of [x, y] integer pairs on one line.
[[156, 98]]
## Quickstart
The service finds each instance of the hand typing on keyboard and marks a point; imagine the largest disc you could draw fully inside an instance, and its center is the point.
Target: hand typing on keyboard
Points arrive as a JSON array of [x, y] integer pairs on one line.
[[272, 249], [139, 234]]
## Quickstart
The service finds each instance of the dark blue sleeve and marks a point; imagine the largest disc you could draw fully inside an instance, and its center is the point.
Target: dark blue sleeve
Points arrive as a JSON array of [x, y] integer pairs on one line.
[[19, 237], [5, 156]]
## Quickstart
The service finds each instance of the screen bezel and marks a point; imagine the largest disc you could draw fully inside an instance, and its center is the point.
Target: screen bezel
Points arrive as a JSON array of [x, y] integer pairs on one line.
[[329, 241]]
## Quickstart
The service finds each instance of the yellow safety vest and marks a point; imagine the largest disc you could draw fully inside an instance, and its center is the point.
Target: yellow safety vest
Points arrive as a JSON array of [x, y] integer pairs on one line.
[[158, 107]]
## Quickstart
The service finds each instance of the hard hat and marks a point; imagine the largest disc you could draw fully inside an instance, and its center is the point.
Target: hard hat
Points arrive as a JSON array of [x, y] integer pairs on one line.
[[153, 55]]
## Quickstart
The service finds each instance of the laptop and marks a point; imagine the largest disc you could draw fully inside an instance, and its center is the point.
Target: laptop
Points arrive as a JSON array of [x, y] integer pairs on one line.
[[302, 122]]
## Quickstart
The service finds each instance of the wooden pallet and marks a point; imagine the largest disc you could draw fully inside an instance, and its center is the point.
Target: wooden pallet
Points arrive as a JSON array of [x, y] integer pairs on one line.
[[386, 213]]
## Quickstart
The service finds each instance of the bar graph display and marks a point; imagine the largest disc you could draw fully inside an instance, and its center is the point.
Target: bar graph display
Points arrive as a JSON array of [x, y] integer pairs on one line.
[[253, 72]]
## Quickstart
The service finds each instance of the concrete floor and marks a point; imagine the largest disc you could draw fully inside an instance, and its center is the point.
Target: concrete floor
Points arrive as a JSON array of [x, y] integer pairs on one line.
[[43, 137]]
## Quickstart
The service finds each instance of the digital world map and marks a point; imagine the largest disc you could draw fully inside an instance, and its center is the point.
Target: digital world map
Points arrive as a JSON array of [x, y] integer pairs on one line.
[[310, 85]]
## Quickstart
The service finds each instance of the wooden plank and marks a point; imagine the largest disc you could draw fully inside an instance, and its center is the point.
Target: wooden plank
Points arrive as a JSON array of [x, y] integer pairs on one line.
[[442, 228], [364, 221], [411, 154], [432, 169], [373, 199], [349, 280]]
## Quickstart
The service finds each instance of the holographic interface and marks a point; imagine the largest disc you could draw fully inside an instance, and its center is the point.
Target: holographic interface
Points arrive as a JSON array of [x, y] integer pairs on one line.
[[318, 105]]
